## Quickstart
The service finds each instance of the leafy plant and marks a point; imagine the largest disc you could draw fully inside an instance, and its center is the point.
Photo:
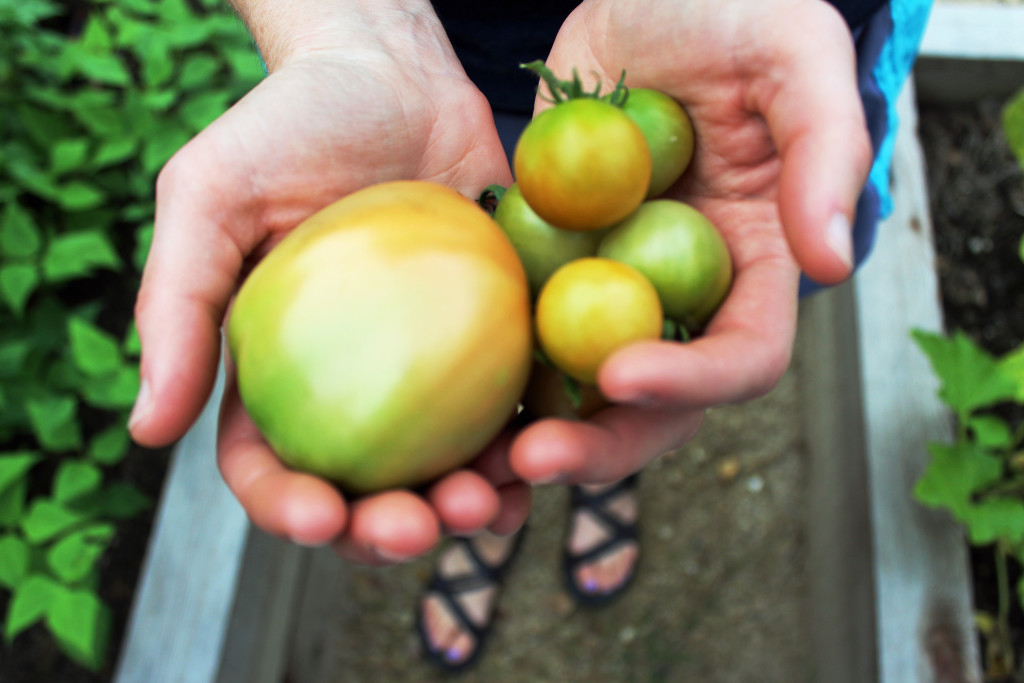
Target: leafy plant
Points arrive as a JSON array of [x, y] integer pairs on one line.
[[979, 477], [94, 98]]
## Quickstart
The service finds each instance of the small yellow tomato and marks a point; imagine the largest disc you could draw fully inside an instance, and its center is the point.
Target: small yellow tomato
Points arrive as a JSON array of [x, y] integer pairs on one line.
[[590, 308]]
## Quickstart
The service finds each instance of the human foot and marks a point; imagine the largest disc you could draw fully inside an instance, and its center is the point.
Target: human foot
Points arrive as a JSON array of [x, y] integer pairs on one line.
[[455, 614], [601, 549]]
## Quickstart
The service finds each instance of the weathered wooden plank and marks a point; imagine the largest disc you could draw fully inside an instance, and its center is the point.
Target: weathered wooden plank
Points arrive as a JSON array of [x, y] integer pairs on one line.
[[970, 51], [920, 584], [262, 621], [185, 596]]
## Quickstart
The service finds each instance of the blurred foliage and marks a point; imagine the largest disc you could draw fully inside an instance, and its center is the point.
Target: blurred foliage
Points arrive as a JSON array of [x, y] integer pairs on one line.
[[95, 97]]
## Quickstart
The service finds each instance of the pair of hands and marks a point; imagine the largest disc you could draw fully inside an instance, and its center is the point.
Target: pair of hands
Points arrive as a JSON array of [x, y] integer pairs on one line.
[[372, 91]]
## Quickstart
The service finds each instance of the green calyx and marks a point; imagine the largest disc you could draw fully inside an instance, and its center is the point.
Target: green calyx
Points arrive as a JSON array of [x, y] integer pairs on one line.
[[562, 91]]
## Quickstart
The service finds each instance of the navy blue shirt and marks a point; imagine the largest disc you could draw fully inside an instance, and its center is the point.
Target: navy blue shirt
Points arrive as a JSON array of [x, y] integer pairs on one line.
[[493, 39]]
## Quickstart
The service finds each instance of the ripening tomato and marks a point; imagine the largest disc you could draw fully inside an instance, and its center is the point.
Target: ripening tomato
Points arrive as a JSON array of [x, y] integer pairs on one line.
[[387, 339], [668, 131], [542, 247], [681, 252], [590, 308], [583, 164]]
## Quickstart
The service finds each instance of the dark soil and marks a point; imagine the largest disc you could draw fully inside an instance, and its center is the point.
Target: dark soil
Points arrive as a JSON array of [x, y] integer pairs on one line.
[[977, 202]]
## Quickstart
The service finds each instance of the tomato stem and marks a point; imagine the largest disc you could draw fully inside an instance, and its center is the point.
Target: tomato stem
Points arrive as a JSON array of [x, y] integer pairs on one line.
[[562, 91]]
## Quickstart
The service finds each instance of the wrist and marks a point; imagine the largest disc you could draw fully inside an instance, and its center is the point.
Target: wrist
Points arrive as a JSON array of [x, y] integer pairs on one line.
[[288, 29]]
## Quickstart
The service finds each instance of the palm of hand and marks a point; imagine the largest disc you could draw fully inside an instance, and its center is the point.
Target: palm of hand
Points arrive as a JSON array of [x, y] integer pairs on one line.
[[781, 153]]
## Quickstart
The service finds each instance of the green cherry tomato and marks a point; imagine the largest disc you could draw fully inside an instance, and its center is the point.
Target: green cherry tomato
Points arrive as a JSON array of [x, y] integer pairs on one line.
[[668, 131], [681, 252], [542, 247], [583, 164], [386, 339]]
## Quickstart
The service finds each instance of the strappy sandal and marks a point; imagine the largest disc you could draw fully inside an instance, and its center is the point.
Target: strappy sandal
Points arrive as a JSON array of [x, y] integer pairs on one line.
[[619, 533], [480, 575]]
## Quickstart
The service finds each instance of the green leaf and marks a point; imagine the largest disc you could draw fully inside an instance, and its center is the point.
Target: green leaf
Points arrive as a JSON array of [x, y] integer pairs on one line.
[[1012, 365], [103, 121], [107, 69], [160, 100], [76, 479], [78, 195], [990, 432], [114, 151], [77, 254], [110, 446], [46, 519], [13, 354], [44, 124], [14, 465], [200, 110], [114, 391], [19, 236], [197, 71], [144, 7], [54, 421], [80, 622], [73, 557], [971, 377], [143, 241], [30, 602], [994, 519], [955, 473], [27, 12], [132, 346], [118, 500], [14, 560], [17, 282], [68, 154], [96, 37], [95, 351], [246, 65], [155, 59], [12, 504], [159, 149], [1013, 125]]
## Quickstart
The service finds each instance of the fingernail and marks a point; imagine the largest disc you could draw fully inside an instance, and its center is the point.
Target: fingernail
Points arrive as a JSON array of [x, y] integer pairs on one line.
[[453, 654], [839, 239], [556, 478], [394, 558], [141, 406], [307, 543]]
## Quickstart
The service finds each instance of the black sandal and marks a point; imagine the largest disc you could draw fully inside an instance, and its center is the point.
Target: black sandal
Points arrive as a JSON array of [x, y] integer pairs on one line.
[[619, 533], [481, 575]]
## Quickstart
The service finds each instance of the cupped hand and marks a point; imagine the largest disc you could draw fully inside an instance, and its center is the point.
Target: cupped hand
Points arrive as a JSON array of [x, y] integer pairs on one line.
[[325, 122], [782, 154]]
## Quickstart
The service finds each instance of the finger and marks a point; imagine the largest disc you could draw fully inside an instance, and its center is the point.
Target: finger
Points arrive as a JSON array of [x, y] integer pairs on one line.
[[389, 527], [816, 120], [742, 355], [464, 501], [613, 444], [299, 507], [516, 500], [189, 277], [492, 463]]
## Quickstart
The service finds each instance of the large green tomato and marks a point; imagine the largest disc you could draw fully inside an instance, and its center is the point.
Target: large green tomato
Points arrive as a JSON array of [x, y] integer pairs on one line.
[[681, 252], [542, 247], [668, 131], [387, 339]]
